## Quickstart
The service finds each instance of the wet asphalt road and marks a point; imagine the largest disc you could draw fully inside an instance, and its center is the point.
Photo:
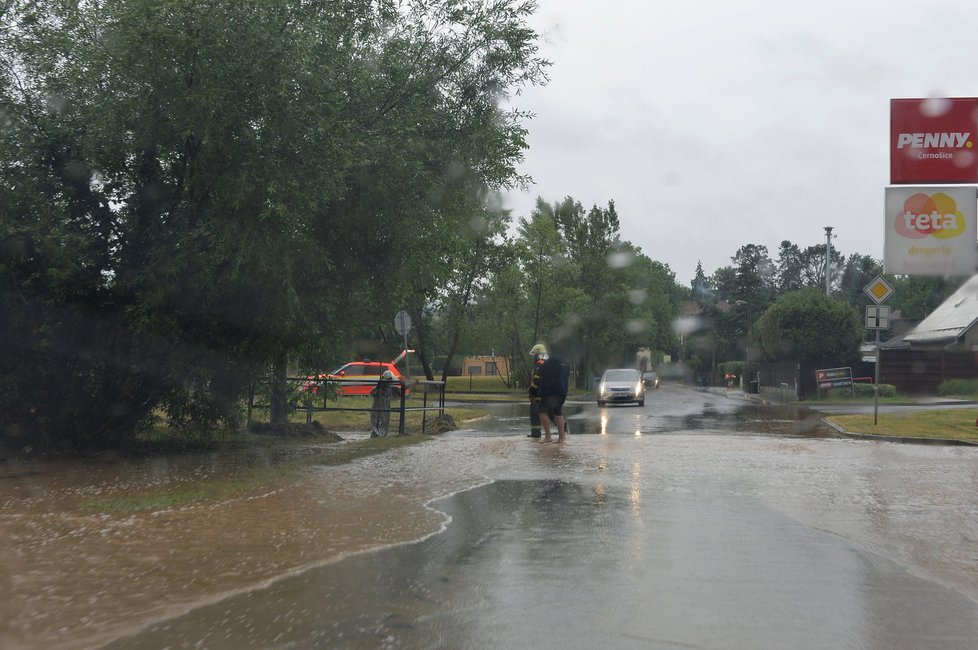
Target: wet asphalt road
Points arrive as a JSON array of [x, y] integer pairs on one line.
[[694, 522]]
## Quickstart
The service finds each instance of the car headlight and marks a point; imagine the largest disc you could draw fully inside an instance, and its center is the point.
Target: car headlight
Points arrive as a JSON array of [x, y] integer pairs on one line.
[[638, 388], [601, 389]]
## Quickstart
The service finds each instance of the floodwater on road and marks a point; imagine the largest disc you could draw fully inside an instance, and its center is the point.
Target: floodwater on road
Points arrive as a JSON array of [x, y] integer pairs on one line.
[[692, 522]]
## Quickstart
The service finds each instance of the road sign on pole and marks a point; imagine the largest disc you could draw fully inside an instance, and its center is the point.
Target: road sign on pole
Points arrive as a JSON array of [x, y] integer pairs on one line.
[[402, 324], [879, 290], [877, 318]]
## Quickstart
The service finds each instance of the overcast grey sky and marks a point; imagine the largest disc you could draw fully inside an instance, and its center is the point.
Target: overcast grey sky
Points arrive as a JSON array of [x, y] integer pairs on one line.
[[717, 123]]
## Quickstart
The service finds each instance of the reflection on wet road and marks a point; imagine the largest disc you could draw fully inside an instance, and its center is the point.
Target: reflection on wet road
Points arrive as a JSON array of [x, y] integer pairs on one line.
[[558, 564], [669, 410], [692, 522]]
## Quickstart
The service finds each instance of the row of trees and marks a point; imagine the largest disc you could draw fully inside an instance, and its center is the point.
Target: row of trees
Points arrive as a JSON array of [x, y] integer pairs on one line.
[[784, 309], [567, 277], [564, 276]]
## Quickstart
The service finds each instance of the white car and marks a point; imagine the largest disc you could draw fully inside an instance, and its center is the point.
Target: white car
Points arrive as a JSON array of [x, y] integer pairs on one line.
[[621, 385]]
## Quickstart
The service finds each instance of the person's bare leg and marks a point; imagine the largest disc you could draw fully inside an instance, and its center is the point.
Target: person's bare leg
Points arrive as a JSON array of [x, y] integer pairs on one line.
[[545, 423], [561, 428]]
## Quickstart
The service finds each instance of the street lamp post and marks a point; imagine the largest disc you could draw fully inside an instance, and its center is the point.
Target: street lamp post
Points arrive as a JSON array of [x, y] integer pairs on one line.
[[828, 259], [747, 341]]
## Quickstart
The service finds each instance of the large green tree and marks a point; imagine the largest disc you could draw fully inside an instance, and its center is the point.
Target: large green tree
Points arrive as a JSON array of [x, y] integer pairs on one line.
[[194, 190], [573, 283], [807, 325], [857, 272]]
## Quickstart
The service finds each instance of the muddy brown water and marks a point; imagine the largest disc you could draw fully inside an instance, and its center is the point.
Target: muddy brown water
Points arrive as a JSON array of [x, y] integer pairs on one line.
[[75, 578]]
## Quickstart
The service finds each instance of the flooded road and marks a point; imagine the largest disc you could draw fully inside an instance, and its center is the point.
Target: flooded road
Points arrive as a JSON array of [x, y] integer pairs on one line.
[[696, 521]]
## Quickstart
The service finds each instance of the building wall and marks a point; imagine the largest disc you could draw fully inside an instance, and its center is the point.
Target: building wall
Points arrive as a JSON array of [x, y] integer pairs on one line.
[[916, 372], [486, 366]]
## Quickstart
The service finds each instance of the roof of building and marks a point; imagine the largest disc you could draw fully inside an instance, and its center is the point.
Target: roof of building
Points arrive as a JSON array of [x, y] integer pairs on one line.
[[952, 319]]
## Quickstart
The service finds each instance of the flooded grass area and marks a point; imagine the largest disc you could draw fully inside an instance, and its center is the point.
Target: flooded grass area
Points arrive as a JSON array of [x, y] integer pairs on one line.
[[267, 470], [93, 545]]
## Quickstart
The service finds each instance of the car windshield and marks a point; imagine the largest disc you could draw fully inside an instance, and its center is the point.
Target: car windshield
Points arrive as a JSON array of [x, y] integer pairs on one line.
[[208, 205], [621, 375]]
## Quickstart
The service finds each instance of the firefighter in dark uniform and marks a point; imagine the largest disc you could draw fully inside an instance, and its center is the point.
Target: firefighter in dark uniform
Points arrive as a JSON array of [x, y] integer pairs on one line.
[[539, 354]]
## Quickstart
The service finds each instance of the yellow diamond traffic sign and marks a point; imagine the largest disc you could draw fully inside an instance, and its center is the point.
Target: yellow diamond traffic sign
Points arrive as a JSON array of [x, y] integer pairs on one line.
[[879, 290]]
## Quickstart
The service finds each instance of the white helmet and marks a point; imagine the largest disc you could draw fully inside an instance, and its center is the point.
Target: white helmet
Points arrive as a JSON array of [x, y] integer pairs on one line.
[[538, 350], [387, 375]]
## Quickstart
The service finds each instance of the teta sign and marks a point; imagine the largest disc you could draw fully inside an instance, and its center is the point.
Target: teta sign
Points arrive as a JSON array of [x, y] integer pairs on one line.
[[930, 230]]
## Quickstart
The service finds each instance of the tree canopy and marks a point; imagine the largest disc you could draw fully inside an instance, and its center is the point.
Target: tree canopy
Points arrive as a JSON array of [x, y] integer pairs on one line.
[[193, 190], [807, 325]]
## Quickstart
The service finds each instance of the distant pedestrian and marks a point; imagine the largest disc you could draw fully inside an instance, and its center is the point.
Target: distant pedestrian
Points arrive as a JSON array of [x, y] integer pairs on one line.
[[380, 409], [554, 376]]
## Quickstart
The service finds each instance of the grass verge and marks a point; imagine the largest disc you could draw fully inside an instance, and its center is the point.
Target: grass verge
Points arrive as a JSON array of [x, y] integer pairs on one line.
[[359, 420], [947, 424]]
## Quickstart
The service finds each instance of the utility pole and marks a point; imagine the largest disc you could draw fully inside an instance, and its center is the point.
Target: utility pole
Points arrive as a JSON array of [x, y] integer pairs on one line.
[[828, 259], [747, 342]]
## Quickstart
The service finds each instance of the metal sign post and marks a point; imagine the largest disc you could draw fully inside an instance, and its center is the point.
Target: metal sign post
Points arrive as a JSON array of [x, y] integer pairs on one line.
[[402, 324], [877, 318]]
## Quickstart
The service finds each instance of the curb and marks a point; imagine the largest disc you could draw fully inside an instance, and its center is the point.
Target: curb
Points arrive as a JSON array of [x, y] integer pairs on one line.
[[899, 439]]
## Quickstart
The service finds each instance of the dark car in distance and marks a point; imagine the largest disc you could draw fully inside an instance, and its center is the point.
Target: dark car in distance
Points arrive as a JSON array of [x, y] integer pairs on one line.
[[650, 379]]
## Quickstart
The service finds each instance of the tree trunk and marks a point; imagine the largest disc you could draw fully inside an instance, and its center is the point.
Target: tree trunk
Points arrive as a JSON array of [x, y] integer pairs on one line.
[[583, 369], [279, 391], [456, 338], [122, 401], [522, 368], [422, 346]]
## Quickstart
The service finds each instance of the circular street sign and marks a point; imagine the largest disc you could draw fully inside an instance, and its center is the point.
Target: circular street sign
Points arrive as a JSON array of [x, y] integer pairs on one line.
[[402, 322]]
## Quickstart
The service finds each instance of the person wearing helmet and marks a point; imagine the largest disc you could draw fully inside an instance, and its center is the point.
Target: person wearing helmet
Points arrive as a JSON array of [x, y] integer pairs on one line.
[[539, 354], [380, 409]]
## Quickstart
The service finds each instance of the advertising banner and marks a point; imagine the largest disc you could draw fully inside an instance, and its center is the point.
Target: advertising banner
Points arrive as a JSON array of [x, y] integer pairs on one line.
[[934, 140], [830, 378], [834, 377], [931, 231]]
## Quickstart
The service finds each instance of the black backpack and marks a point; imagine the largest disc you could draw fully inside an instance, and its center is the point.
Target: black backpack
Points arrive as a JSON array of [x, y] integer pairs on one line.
[[554, 376]]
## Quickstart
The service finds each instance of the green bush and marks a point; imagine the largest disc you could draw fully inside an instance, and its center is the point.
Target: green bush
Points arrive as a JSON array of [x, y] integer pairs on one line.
[[866, 390], [729, 368], [959, 388]]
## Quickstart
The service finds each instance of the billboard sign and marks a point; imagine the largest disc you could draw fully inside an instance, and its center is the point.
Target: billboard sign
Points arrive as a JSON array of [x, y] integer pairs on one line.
[[934, 140], [930, 231]]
